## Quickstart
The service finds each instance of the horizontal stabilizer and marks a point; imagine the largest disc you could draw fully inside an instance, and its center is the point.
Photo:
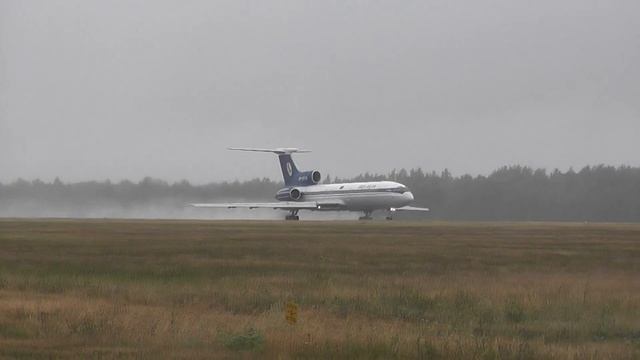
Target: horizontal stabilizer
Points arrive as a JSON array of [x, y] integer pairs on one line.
[[278, 151]]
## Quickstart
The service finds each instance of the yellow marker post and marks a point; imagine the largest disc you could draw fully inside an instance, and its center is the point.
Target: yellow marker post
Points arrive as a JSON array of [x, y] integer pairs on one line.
[[291, 313]]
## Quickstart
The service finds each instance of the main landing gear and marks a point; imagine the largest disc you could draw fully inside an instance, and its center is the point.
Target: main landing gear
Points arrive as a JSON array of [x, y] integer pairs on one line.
[[293, 215], [367, 215]]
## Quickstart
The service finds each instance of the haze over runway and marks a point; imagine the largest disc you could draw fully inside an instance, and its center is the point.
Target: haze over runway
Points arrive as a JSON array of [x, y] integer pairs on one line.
[[127, 89]]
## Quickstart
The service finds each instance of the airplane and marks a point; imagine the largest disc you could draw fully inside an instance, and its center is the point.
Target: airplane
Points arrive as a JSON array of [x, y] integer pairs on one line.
[[303, 191]]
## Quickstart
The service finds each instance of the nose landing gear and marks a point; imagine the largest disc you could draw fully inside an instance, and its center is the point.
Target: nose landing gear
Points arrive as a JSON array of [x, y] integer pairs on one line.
[[390, 213]]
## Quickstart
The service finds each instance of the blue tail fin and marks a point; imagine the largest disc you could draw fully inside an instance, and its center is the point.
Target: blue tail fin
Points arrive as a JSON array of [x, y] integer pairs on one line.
[[289, 170]]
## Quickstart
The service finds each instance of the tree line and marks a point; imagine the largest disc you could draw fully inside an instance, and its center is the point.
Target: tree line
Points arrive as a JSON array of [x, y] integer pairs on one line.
[[514, 193]]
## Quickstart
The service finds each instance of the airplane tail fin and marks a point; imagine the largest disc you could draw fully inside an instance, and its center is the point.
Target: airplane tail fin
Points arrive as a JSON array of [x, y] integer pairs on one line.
[[290, 172], [289, 169]]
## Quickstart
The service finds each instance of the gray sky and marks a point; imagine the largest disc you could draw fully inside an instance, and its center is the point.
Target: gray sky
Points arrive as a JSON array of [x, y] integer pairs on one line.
[[126, 89]]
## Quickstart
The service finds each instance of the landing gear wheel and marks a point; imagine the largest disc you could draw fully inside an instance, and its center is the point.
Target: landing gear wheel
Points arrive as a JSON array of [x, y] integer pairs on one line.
[[367, 215], [293, 215], [389, 218]]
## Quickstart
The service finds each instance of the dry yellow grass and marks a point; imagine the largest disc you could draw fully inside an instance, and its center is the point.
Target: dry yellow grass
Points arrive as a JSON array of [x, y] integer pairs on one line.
[[197, 289]]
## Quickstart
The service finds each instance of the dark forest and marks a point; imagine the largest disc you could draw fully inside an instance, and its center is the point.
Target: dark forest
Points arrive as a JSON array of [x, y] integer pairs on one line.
[[512, 193]]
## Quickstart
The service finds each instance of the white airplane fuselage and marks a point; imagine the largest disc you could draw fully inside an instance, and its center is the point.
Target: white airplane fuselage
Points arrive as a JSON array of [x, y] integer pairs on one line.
[[359, 196]]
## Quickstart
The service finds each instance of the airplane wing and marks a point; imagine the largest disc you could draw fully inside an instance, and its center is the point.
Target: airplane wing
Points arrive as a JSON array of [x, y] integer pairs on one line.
[[410, 208], [286, 205]]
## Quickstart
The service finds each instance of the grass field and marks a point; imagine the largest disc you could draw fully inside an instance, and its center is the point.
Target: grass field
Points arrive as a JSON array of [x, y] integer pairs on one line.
[[198, 289]]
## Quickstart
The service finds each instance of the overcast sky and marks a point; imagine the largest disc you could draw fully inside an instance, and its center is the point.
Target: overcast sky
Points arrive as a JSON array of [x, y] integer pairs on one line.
[[127, 89]]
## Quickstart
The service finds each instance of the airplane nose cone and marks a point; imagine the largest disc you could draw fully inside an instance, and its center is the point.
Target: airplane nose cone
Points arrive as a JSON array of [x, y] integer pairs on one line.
[[408, 195]]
